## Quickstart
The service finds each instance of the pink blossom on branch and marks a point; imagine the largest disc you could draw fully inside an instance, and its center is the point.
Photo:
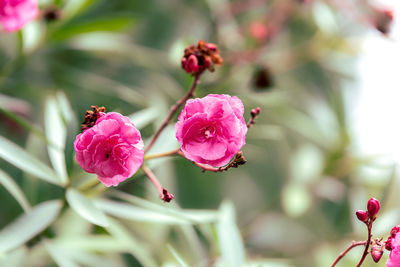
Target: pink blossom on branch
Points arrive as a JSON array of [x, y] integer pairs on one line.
[[112, 148], [211, 130], [14, 14], [394, 258]]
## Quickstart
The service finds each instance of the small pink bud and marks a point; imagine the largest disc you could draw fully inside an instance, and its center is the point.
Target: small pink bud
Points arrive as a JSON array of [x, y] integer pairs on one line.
[[376, 253], [167, 197], [395, 230], [207, 62], [192, 64], [362, 215], [255, 111], [211, 46], [373, 207]]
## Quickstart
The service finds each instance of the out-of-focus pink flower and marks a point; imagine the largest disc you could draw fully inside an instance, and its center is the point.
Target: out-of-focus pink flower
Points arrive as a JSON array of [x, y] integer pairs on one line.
[[14, 14], [112, 148], [211, 130], [394, 258], [259, 31]]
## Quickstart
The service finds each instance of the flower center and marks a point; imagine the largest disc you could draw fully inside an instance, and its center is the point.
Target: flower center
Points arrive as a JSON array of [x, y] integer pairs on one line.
[[208, 132]]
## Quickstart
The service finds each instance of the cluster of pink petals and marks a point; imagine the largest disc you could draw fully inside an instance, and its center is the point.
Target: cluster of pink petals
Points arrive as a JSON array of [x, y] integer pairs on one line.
[[211, 130], [112, 148], [394, 258], [14, 14]]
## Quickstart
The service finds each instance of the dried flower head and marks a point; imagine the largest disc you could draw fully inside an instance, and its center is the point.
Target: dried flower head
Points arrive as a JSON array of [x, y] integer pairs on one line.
[[198, 58], [91, 116]]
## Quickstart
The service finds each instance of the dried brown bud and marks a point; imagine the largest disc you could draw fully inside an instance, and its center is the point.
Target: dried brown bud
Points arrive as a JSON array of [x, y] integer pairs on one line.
[[91, 116], [238, 160], [51, 14], [198, 58], [383, 20]]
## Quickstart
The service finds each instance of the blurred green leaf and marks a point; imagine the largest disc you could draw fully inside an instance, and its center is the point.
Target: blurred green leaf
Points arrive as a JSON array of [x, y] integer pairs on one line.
[[194, 216], [115, 22], [140, 250], [14, 190], [178, 257], [29, 225], [85, 208], [130, 212], [26, 162], [229, 238], [58, 255], [56, 133], [144, 117]]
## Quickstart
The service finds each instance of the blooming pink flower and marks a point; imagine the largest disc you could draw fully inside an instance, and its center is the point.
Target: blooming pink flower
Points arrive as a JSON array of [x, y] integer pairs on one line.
[[112, 148], [394, 258], [14, 14], [211, 130]]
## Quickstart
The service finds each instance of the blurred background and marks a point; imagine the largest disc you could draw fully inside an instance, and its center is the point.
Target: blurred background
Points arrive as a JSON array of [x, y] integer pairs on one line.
[[324, 72]]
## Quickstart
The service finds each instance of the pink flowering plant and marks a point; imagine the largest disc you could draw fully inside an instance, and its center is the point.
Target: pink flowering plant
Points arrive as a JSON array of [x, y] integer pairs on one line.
[[210, 130], [14, 14]]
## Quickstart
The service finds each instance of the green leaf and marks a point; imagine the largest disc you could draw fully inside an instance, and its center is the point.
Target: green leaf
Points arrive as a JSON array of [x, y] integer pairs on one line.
[[29, 225], [14, 190], [56, 134], [177, 256], [111, 23], [193, 216], [85, 208], [21, 159], [58, 254], [144, 117], [130, 212], [230, 240]]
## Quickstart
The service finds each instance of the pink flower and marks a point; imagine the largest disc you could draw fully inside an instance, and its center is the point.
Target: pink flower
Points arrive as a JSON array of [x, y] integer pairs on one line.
[[394, 258], [112, 148], [14, 14], [211, 130]]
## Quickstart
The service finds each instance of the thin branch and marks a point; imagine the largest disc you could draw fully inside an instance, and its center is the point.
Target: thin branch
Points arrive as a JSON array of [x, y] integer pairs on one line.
[[173, 110], [353, 245], [369, 226], [163, 154], [163, 193]]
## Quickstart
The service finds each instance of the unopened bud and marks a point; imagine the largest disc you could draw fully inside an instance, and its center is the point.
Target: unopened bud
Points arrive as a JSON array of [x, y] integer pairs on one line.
[[192, 64], [167, 197], [255, 111], [376, 253], [362, 215], [211, 46], [373, 207]]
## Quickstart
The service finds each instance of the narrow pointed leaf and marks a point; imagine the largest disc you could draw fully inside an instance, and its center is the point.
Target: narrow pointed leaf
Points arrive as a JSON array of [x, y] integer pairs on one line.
[[21, 159], [14, 190], [56, 134], [85, 208], [28, 225], [230, 240]]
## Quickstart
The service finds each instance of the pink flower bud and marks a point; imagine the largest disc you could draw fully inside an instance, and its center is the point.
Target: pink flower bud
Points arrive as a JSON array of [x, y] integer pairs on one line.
[[373, 207], [362, 215], [376, 252], [255, 111], [211, 46], [14, 14], [388, 244], [192, 64]]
